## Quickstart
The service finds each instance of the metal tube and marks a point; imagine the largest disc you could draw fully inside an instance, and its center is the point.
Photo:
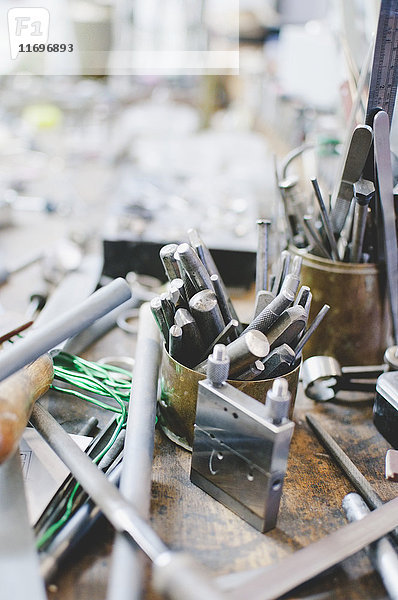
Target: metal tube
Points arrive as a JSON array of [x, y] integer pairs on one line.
[[177, 293], [78, 343], [223, 300], [19, 566], [135, 479], [363, 193], [160, 319], [278, 362], [168, 308], [255, 370], [45, 338], [288, 327]]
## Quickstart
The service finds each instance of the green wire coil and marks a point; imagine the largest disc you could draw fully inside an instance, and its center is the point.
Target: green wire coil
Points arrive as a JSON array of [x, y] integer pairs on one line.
[[86, 377]]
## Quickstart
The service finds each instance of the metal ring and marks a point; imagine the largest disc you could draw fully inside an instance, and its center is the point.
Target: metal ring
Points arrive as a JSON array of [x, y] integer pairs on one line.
[[123, 320]]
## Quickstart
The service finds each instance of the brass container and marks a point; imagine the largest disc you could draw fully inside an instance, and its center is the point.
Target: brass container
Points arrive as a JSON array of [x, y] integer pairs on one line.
[[356, 329], [179, 390]]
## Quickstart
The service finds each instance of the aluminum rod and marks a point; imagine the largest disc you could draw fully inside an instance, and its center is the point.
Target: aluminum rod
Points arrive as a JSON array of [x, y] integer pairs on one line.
[[126, 574], [70, 323]]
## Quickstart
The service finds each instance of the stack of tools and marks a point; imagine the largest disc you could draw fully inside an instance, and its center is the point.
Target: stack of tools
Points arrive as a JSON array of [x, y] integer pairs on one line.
[[196, 312]]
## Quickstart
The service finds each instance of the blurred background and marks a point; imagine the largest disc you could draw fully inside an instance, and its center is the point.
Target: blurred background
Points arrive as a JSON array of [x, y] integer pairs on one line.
[[174, 114]]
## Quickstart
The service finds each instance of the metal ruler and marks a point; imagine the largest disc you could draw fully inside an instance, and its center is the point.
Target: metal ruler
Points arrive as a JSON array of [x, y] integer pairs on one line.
[[384, 75]]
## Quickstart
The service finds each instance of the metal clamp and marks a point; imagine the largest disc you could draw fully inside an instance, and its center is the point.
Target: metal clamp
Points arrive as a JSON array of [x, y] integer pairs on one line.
[[323, 377]]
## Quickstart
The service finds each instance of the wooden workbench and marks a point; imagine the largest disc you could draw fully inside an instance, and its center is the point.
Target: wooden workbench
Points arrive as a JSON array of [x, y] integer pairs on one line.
[[187, 519]]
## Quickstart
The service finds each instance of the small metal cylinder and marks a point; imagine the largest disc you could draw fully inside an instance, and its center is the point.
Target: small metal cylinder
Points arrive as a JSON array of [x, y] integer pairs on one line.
[[168, 308], [193, 344], [218, 366], [288, 327], [243, 352], [278, 362], [156, 308], [196, 270], [176, 343], [277, 402], [255, 370], [169, 262], [206, 311], [177, 293]]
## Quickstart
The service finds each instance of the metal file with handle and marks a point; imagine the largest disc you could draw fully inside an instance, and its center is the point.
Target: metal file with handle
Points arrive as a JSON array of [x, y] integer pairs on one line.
[[357, 153]]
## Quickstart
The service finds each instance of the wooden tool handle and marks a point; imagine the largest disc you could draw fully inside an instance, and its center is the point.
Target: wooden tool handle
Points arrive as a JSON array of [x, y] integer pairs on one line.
[[18, 393]]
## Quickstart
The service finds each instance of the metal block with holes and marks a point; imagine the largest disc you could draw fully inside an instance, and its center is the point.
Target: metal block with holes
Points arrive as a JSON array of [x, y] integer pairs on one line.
[[239, 454]]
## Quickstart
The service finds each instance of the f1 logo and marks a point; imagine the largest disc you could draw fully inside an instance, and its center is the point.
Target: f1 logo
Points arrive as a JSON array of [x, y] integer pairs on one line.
[[27, 25]]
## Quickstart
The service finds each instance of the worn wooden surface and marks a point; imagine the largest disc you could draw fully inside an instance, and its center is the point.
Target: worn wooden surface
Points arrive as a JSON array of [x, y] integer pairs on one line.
[[186, 518]]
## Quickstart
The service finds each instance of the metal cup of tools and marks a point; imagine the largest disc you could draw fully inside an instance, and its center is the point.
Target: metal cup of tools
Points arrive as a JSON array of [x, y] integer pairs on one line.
[[196, 313]]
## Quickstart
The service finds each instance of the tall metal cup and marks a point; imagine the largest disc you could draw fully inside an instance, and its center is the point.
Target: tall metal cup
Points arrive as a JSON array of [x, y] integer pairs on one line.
[[357, 328]]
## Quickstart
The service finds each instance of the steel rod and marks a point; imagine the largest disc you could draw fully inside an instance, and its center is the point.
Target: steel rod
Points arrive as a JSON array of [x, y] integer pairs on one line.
[[126, 574], [43, 339]]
